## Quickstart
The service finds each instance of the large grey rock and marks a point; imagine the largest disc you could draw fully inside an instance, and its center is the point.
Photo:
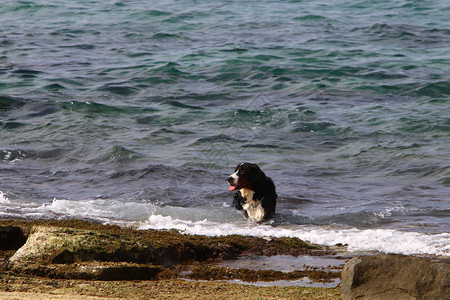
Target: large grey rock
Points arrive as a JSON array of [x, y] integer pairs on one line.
[[396, 277]]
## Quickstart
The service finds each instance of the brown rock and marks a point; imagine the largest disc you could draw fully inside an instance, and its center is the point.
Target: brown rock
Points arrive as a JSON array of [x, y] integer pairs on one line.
[[110, 253], [396, 277], [91, 270], [11, 238]]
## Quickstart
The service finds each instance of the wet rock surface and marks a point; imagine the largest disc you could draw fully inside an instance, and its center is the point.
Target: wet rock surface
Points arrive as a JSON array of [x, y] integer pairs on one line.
[[85, 251], [98, 252], [396, 277]]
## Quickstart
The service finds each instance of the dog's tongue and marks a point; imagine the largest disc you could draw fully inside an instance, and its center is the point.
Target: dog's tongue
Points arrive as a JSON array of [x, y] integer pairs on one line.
[[231, 188]]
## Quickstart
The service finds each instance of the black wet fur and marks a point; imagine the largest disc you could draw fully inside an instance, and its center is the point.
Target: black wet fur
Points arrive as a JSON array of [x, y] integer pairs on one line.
[[263, 187]]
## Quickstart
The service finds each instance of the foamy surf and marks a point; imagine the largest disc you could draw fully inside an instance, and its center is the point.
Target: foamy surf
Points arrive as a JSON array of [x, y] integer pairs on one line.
[[3, 198], [226, 221], [357, 240]]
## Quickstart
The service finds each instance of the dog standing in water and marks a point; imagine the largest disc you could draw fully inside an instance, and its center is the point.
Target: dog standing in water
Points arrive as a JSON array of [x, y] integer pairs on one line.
[[256, 192]]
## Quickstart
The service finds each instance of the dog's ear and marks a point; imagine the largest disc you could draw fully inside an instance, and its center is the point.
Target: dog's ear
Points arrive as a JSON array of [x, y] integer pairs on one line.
[[257, 176], [237, 167]]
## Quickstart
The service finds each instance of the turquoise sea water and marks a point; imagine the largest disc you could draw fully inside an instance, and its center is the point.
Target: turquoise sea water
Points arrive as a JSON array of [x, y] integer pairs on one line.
[[137, 111]]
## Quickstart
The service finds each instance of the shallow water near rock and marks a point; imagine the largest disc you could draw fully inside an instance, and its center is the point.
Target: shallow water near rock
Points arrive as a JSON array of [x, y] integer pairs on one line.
[[286, 263], [300, 282]]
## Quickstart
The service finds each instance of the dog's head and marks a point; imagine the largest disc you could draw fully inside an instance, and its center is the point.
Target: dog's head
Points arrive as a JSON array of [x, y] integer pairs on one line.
[[246, 175]]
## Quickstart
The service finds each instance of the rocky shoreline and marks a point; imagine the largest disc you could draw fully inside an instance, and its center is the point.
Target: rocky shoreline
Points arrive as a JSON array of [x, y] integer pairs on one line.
[[82, 258]]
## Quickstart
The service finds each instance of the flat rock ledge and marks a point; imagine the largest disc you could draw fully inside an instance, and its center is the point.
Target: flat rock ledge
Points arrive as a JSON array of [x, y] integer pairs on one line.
[[396, 277], [112, 253], [80, 250]]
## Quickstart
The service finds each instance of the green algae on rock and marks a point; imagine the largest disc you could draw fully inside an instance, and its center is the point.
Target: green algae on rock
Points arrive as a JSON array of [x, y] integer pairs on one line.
[[91, 251], [207, 272]]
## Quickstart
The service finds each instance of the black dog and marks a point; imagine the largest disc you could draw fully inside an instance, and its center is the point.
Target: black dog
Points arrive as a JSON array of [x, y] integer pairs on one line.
[[256, 196]]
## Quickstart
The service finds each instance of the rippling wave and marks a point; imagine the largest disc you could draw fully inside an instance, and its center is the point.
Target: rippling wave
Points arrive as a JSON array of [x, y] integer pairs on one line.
[[344, 104]]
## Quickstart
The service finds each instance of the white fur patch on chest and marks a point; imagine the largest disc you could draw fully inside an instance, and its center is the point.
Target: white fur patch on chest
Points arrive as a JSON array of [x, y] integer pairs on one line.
[[253, 208], [247, 195]]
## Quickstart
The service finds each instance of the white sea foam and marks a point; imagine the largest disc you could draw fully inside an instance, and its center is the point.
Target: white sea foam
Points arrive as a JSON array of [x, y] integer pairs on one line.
[[3, 198], [381, 240], [114, 210], [225, 221], [100, 208]]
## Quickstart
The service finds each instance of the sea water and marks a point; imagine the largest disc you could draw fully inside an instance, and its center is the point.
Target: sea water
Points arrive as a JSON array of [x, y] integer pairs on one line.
[[135, 112]]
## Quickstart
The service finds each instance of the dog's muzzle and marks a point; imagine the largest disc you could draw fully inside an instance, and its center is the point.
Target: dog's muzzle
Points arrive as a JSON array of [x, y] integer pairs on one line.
[[232, 180]]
